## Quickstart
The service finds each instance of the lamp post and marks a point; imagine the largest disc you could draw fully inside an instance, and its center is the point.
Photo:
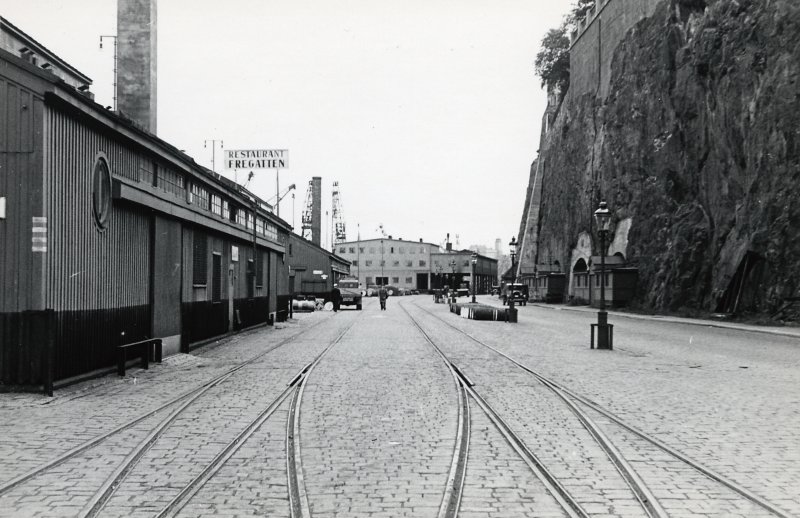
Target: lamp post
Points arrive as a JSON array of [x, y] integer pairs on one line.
[[512, 250], [474, 262], [604, 331], [453, 292]]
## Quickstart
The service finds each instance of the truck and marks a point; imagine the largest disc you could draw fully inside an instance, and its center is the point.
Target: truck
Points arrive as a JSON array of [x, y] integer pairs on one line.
[[351, 292]]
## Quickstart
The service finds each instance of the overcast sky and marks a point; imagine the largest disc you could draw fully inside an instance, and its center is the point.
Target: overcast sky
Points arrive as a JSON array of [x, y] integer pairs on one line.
[[427, 112]]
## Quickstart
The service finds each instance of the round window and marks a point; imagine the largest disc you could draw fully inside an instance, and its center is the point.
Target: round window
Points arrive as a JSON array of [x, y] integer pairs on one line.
[[101, 192]]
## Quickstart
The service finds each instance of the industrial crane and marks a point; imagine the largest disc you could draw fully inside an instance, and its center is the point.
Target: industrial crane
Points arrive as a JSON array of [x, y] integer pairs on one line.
[[281, 196]]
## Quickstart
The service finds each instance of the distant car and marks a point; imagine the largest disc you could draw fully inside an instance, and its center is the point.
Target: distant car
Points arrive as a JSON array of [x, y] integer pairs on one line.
[[462, 292], [415, 292], [350, 291], [517, 292]]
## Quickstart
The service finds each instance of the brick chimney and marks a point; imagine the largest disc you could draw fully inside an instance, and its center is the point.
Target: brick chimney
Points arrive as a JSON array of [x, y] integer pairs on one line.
[[136, 55]]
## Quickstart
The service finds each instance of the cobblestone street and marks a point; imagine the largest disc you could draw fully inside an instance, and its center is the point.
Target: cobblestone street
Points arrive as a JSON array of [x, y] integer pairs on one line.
[[704, 418]]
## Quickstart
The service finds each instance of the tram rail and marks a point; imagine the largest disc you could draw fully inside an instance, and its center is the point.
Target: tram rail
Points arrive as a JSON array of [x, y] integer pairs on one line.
[[574, 401]]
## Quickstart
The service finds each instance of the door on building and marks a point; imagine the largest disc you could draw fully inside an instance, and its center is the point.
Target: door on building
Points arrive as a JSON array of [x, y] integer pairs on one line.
[[165, 278], [422, 281]]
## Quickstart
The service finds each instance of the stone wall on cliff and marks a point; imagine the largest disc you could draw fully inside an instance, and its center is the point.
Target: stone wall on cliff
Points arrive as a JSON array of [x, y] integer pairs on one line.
[[697, 143]]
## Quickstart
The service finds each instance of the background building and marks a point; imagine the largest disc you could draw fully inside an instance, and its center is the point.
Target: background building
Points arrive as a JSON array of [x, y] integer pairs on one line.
[[396, 262], [454, 269], [415, 264]]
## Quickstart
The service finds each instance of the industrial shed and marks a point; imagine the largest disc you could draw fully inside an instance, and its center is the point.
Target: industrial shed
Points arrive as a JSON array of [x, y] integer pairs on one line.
[[312, 269], [110, 235]]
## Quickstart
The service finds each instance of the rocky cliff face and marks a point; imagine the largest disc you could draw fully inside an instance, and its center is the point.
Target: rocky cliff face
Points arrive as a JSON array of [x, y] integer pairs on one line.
[[698, 144]]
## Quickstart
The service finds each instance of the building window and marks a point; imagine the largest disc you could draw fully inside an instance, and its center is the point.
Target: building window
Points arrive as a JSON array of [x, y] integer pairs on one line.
[[101, 192], [383, 262], [368, 262], [395, 280], [466, 263], [396, 263], [216, 204], [421, 262], [355, 263], [241, 216], [170, 181], [342, 250], [352, 249], [391, 250], [410, 264], [369, 281], [361, 250], [199, 196], [412, 250], [409, 280], [200, 259], [259, 226], [290, 249], [422, 249]]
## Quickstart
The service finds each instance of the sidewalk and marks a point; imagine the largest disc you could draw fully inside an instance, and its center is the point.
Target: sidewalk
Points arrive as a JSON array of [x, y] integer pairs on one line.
[[791, 332]]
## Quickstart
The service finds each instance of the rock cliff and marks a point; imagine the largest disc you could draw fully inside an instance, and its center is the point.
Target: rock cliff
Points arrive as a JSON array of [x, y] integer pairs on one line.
[[696, 145]]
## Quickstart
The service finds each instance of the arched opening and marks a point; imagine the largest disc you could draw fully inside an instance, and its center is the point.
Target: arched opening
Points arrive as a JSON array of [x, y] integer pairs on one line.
[[580, 266]]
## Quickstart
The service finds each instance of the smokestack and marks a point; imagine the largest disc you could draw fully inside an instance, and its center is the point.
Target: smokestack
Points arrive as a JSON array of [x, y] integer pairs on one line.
[[136, 55], [316, 210]]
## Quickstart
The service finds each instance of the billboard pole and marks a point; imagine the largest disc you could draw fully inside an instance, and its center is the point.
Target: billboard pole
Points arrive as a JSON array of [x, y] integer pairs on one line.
[[278, 192]]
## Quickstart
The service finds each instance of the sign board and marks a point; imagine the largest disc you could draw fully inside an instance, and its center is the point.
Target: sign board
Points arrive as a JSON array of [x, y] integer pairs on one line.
[[256, 159], [234, 253], [317, 272]]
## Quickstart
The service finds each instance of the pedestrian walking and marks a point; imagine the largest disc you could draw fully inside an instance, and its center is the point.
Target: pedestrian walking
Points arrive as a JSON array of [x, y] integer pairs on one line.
[[336, 297], [383, 295]]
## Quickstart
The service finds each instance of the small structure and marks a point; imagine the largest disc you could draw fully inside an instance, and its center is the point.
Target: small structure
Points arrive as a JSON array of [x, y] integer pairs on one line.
[[620, 281], [550, 286]]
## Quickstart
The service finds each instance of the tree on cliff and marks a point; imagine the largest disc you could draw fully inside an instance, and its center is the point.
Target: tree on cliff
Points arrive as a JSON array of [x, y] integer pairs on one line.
[[552, 60], [579, 10]]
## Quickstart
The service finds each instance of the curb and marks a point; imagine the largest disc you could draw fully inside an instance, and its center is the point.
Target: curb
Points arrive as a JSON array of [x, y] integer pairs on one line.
[[679, 320]]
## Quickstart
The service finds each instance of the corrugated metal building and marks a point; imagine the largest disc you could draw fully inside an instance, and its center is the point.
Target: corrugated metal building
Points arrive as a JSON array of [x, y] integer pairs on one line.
[[312, 269], [118, 233]]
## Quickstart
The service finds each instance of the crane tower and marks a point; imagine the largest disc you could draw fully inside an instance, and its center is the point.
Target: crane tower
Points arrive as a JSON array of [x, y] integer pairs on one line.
[[339, 231], [311, 219]]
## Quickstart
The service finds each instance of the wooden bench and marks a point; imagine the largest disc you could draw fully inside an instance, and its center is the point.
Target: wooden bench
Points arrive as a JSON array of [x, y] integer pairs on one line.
[[148, 350]]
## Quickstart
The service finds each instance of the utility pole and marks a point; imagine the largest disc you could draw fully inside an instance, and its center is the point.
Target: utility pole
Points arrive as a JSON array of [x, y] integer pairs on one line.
[[213, 151], [114, 37]]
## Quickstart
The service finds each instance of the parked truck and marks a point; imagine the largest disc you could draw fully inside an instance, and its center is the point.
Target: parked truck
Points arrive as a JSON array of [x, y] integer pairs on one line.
[[351, 292]]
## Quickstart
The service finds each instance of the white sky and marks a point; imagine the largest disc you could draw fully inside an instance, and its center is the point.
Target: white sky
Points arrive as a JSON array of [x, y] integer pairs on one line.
[[427, 112]]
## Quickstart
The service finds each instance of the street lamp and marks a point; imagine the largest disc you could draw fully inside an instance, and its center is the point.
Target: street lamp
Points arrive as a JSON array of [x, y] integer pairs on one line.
[[512, 311], [474, 262], [605, 332], [453, 291]]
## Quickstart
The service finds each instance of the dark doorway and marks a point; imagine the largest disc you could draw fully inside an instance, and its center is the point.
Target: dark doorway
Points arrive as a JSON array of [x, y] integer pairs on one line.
[[422, 281]]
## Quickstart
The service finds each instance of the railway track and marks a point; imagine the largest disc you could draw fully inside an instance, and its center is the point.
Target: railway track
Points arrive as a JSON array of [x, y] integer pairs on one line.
[[581, 407], [175, 407]]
